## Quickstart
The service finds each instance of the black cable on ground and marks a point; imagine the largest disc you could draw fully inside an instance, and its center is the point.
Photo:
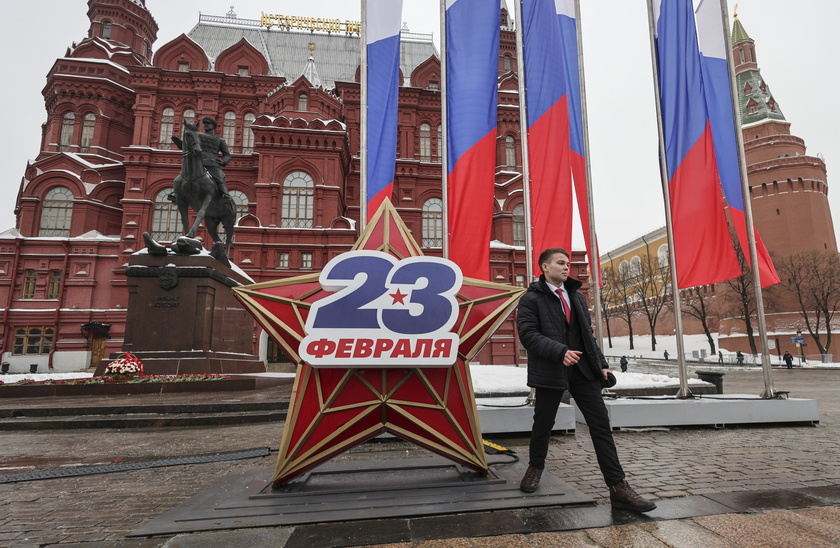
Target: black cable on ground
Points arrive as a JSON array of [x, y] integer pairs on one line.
[[71, 471]]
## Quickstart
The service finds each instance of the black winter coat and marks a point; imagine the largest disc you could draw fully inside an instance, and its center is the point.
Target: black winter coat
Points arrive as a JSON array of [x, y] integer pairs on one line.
[[544, 333]]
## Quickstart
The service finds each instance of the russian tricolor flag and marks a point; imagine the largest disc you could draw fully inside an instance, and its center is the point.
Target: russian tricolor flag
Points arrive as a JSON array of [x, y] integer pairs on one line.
[[567, 19], [383, 72], [472, 68], [546, 96], [702, 243], [716, 85]]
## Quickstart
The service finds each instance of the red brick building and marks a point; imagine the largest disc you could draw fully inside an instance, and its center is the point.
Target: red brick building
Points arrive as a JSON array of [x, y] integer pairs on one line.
[[287, 102]]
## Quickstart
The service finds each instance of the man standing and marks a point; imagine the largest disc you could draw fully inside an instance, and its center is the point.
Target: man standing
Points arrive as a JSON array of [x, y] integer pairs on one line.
[[211, 146], [788, 359], [554, 325]]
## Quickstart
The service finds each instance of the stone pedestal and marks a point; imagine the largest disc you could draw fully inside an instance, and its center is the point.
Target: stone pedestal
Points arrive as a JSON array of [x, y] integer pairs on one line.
[[183, 317]]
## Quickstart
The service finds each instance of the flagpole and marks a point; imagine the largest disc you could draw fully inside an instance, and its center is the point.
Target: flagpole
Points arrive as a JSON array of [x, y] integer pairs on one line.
[[363, 135], [523, 140], [444, 129], [683, 392], [769, 389], [595, 260]]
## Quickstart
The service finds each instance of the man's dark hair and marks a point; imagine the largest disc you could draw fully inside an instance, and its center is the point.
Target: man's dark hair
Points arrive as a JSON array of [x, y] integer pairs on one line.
[[546, 255]]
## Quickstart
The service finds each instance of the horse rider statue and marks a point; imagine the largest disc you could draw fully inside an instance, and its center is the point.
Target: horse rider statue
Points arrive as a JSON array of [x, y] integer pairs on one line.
[[211, 147]]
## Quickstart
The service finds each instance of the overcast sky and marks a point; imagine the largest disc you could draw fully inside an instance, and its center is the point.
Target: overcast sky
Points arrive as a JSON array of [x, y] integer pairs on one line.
[[796, 44]]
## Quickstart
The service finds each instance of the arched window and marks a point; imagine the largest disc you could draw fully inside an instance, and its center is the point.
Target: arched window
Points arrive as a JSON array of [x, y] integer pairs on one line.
[[635, 266], [57, 212], [166, 223], [247, 134], [240, 204], [510, 153], [66, 139], [662, 256], [439, 158], [298, 196], [519, 225], [623, 271], [87, 132], [507, 63], [106, 30], [425, 142], [167, 125], [229, 130], [189, 116], [303, 102], [433, 223]]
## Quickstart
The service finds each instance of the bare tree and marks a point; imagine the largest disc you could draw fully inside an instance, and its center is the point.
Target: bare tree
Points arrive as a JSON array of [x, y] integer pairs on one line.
[[607, 311], [813, 277], [740, 299], [650, 281], [695, 305], [621, 296]]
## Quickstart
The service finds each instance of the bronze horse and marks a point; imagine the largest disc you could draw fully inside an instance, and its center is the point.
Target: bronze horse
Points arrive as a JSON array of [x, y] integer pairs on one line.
[[195, 188]]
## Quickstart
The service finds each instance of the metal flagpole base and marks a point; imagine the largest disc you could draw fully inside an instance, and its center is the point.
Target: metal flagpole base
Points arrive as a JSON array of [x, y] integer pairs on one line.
[[684, 394]]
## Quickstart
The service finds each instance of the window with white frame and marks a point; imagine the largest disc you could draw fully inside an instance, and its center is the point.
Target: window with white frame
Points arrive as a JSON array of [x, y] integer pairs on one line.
[[68, 122], [433, 223], [248, 134], [167, 124], [510, 153], [166, 221], [229, 130], [88, 126], [519, 225], [306, 259], [57, 212], [298, 200], [425, 142]]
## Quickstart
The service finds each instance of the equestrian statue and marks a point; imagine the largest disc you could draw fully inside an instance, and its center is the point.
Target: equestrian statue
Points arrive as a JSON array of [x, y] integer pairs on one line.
[[201, 186]]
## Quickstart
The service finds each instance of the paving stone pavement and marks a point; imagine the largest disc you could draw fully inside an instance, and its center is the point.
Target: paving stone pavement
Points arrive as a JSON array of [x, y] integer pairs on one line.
[[663, 464]]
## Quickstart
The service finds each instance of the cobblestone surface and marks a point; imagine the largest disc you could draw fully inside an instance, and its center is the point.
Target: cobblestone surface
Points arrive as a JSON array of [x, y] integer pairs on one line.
[[661, 463]]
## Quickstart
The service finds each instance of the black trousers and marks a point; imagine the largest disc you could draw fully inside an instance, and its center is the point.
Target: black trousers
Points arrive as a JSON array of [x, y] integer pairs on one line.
[[587, 395]]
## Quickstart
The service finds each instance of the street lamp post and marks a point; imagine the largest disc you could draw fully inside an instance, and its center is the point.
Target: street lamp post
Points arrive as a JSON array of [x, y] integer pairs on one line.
[[799, 344]]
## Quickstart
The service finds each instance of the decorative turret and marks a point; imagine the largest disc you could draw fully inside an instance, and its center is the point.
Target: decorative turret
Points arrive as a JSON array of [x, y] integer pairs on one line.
[[124, 22], [754, 97], [788, 187], [310, 71]]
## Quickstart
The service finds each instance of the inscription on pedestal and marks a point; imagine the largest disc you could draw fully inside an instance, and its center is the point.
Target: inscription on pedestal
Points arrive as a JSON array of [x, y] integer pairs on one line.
[[166, 302]]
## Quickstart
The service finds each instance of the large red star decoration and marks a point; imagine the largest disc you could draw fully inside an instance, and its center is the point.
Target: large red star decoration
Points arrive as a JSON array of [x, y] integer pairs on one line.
[[333, 409]]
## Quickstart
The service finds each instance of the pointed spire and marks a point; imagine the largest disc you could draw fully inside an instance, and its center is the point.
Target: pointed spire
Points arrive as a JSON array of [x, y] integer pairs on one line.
[[310, 71], [754, 96], [739, 34]]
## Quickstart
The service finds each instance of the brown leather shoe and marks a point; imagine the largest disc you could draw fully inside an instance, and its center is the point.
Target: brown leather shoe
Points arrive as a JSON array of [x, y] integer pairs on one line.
[[623, 496], [531, 480]]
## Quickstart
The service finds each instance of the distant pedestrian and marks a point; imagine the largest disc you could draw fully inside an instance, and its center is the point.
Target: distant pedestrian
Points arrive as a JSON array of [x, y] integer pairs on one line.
[[788, 360], [720, 357], [739, 358], [623, 364], [666, 355]]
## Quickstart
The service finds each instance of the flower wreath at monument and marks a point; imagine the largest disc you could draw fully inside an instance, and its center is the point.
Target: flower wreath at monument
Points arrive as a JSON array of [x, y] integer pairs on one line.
[[125, 365]]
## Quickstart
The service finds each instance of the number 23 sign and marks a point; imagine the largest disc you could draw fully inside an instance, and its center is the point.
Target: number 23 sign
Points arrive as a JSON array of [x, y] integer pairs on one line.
[[384, 312]]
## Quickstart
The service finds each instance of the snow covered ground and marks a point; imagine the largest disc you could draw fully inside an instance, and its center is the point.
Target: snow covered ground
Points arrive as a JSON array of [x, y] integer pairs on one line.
[[500, 379], [692, 343]]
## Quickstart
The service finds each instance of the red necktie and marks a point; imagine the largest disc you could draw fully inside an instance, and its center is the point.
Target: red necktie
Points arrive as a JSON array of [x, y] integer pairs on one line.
[[565, 305]]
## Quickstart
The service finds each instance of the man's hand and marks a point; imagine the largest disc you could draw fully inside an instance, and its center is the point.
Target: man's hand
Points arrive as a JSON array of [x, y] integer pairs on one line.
[[605, 372], [571, 357]]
